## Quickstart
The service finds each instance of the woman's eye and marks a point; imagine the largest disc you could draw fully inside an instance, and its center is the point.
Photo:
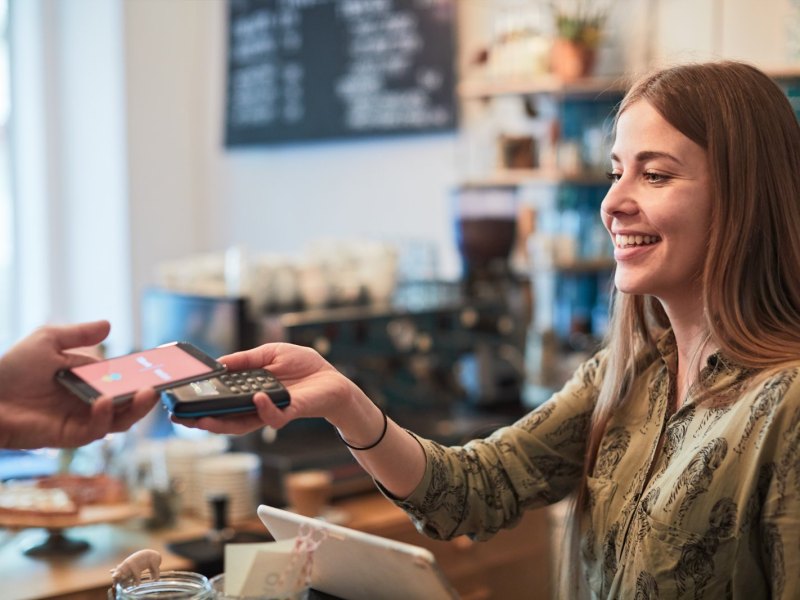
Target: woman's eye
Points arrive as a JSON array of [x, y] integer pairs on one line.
[[652, 177], [613, 177]]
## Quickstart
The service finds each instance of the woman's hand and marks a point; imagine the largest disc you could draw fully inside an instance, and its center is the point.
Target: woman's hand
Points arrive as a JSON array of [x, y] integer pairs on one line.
[[391, 455], [316, 389]]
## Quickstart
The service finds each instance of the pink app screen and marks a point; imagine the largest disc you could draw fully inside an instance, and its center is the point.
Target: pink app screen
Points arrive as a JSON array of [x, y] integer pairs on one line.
[[132, 372]]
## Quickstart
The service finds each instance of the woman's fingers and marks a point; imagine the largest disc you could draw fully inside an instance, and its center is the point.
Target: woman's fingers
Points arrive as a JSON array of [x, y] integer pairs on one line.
[[232, 424], [256, 358], [266, 414]]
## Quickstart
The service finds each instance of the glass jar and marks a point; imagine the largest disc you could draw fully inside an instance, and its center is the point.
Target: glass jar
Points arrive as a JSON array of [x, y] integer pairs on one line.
[[218, 585], [171, 585]]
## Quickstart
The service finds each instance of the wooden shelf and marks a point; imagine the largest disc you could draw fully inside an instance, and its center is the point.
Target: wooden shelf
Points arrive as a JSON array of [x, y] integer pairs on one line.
[[88, 515], [485, 87], [783, 74], [477, 88], [515, 559], [85, 576], [517, 177], [595, 265]]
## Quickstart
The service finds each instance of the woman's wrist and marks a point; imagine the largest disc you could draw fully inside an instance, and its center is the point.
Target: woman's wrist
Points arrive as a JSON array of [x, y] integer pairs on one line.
[[377, 441], [361, 422]]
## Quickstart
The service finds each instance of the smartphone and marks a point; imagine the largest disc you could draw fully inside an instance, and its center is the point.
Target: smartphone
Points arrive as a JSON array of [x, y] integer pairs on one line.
[[166, 366], [226, 394]]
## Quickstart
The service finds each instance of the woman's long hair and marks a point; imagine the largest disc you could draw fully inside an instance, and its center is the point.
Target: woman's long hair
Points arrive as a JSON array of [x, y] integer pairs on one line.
[[751, 275]]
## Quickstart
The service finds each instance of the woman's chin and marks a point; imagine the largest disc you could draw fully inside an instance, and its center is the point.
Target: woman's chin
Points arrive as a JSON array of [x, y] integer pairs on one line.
[[628, 286]]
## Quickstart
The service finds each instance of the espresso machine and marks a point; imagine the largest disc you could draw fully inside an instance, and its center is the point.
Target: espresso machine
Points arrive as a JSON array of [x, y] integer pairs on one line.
[[443, 365], [444, 359]]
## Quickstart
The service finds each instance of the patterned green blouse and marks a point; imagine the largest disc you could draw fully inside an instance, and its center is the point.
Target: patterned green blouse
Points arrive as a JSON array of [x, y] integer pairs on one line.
[[719, 517]]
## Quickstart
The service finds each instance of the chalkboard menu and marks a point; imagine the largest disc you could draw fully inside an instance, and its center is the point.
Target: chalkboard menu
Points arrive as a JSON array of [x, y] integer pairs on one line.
[[323, 69]]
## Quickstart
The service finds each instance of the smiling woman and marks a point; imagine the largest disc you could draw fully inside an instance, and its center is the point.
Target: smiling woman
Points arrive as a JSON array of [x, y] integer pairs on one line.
[[705, 164], [680, 439]]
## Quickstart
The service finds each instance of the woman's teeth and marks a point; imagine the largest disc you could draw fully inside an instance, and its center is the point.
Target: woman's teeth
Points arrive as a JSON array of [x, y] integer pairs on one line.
[[624, 241]]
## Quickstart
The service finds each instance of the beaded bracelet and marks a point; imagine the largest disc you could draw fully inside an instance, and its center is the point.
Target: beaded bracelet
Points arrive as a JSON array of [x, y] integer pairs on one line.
[[373, 444]]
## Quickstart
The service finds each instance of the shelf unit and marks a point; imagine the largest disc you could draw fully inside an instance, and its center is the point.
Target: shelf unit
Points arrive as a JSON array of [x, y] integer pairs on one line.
[[599, 90], [521, 177], [784, 74], [597, 265], [554, 279], [487, 87], [570, 254], [588, 89]]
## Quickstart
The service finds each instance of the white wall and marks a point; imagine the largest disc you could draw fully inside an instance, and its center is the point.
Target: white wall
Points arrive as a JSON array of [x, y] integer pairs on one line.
[[764, 32], [126, 125], [189, 194], [278, 198], [92, 174], [31, 37], [68, 134], [166, 67]]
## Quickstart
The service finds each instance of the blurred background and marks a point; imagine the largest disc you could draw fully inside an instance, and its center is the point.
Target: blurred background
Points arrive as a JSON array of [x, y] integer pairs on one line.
[[114, 158], [409, 186]]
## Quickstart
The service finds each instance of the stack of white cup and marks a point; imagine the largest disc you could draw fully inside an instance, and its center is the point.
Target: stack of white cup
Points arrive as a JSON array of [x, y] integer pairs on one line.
[[235, 475], [182, 458]]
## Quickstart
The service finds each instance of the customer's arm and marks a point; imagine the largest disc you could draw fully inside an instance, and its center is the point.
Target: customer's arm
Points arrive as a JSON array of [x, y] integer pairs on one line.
[[35, 411]]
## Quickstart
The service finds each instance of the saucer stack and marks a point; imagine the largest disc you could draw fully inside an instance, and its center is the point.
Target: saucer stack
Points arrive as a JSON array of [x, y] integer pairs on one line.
[[235, 475], [182, 458]]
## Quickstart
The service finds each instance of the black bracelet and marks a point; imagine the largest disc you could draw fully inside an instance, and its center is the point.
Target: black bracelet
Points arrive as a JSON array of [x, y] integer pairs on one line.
[[373, 444]]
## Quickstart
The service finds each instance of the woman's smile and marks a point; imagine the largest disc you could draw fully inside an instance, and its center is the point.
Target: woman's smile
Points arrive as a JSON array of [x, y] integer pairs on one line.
[[632, 245]]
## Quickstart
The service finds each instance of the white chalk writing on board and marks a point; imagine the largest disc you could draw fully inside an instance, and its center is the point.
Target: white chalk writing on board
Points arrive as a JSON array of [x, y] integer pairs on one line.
[[300, 69]]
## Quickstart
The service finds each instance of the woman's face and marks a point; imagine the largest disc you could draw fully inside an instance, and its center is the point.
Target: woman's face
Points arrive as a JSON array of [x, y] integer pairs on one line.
[[658, 210]]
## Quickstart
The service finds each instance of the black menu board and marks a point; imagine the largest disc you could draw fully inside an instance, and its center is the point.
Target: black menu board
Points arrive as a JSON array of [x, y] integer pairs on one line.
[[323, 69]]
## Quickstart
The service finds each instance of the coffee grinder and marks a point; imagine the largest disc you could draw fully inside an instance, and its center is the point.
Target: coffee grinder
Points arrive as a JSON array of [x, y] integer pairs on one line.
[[496, 309]]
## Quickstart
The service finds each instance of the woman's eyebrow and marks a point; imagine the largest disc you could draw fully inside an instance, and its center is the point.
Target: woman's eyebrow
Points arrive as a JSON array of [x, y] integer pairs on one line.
[[646, 155]]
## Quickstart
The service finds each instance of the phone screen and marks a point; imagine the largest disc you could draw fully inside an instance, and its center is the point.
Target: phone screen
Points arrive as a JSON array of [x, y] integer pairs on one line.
[[127, 374]]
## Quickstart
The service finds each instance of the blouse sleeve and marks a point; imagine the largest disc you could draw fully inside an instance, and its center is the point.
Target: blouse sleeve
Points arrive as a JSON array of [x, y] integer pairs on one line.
[[780, 516], [484, 486]]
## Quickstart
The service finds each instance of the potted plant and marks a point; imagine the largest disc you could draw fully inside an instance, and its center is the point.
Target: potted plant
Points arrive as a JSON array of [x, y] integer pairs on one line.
[[579, 29]]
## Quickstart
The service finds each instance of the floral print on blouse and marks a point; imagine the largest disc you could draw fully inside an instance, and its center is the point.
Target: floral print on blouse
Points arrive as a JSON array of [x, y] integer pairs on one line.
[[713, 511]]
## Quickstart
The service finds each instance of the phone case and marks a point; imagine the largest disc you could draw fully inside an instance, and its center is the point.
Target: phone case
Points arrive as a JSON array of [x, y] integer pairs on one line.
[[87, 391]]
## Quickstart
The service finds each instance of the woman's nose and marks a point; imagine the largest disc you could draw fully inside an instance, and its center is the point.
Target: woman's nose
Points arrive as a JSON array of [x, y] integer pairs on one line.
[[618, 200]]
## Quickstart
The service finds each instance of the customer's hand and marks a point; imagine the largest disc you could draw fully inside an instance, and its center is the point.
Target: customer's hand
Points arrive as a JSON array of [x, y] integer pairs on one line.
[[317, 389], [36, 411]]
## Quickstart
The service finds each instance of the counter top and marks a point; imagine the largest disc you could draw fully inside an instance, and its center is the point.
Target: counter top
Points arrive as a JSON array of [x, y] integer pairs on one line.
[[27, 578], [519, 558], [85, 575]]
